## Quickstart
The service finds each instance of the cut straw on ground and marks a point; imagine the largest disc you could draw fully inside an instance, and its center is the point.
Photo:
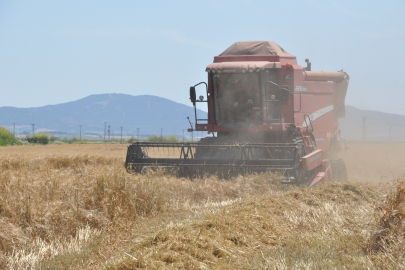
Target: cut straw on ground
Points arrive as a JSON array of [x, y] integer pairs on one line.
[[63, 207]]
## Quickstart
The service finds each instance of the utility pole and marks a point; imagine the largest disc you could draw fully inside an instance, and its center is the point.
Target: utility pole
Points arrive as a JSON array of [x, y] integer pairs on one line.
[[105, 129], [137, 133], [161, 134], [80, 131], [121, 133], [33, 129], [183, 134], [364, 128], [14, 129], [109, 126]]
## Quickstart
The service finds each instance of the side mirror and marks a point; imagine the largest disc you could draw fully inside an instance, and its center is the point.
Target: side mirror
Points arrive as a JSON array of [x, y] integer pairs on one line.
[[193, 96]]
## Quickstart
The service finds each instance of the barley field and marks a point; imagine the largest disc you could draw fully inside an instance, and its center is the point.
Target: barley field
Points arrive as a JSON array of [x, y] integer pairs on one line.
[[75, 207]]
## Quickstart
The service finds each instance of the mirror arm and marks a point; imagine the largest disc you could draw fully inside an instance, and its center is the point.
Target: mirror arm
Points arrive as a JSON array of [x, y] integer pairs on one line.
[[285, 89], [206, 86], [272, 83]]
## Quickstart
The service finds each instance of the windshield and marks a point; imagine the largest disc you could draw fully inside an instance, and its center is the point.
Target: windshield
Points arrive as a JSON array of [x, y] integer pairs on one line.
[[237, 100]]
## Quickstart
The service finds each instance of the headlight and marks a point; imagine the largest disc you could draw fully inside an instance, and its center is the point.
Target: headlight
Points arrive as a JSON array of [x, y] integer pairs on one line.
[[250, 69]]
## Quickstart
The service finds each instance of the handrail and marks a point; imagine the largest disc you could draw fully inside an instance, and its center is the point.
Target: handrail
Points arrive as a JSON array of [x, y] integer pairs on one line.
[[310, 122]]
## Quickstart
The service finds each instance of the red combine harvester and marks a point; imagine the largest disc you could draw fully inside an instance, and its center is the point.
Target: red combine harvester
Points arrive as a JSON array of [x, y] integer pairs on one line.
[[265, 112]]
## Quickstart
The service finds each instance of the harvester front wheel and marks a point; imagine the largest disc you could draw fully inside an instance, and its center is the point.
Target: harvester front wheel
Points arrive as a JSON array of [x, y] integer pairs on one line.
[[339, 171]]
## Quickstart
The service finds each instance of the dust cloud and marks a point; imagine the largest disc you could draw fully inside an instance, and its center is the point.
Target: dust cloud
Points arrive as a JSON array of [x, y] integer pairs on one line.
[[374, 162]]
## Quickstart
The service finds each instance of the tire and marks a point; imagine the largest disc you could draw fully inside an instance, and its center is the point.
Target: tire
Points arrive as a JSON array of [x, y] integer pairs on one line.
[[339, 171]]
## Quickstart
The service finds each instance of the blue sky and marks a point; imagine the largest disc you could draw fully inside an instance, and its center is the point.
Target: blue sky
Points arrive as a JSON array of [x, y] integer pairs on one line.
[[57, 51]]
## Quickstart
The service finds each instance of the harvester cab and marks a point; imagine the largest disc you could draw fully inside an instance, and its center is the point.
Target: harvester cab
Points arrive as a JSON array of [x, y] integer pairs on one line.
[[268, 113]]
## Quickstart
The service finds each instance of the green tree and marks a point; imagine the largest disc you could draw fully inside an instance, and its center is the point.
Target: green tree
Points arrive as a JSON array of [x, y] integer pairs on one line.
[[6, 138], [171, 138], [156, 138], [40, 138]]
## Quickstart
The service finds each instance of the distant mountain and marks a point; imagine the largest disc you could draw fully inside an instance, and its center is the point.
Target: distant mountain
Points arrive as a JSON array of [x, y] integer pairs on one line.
[[151, 113], [377, 125]]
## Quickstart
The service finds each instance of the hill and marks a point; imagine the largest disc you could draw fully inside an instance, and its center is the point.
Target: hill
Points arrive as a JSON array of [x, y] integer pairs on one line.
[[378, 125], [151, 113]]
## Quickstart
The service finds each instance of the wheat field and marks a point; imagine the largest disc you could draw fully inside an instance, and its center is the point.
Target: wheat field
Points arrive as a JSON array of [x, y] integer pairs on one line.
[[75, 207]]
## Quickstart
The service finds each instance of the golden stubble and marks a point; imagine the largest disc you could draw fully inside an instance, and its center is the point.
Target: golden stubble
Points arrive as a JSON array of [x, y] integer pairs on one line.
[[75, 207]]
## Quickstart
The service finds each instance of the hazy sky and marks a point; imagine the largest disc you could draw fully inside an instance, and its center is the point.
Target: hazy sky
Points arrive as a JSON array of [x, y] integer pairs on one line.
[[58, 51]]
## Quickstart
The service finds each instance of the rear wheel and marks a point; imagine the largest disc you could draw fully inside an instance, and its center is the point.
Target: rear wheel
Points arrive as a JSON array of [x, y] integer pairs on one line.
[[339, 171]]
